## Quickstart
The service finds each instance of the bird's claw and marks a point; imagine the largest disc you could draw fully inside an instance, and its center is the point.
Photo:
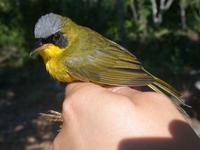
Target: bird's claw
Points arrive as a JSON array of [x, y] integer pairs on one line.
[[52, 116]]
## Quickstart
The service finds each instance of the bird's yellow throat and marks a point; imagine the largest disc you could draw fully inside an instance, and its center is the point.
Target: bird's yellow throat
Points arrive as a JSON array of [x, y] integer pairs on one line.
[[50, 51]]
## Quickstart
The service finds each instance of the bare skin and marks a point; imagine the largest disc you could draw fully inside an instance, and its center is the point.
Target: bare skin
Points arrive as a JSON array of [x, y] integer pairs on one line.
[[121, 118]]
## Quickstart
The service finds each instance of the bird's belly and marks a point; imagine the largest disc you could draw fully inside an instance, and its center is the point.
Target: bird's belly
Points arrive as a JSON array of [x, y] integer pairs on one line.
[[58, 71]]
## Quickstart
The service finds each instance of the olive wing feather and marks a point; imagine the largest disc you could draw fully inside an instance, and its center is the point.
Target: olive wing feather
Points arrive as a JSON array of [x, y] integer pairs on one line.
[[110, 65]]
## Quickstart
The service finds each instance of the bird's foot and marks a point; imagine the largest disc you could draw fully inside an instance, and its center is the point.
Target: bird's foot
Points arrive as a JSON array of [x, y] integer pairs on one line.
[[52, 116]]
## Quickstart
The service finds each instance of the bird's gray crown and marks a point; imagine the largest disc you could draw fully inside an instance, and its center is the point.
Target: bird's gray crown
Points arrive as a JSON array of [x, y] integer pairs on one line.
[[48, 25]]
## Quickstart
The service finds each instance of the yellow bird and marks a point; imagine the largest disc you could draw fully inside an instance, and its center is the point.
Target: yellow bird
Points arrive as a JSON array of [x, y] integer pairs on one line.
[[76, 53]]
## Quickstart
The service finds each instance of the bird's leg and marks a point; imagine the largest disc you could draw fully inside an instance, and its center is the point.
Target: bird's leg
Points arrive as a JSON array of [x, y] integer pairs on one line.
[[52, 116]]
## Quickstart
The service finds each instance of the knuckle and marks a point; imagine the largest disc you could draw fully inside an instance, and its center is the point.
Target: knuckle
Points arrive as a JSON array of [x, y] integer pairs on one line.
[[80, 87], [125, 101], [70, 88], [67, 110], [65, 106]]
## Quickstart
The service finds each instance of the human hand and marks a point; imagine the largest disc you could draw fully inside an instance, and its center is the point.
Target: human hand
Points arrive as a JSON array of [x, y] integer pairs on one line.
[[121, 118]]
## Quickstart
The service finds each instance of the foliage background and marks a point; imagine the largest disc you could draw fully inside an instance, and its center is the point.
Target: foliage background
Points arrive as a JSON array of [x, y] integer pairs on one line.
[[167, 42]]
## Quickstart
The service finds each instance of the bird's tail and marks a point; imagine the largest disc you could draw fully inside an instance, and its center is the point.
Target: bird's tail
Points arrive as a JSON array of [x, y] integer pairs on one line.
[[162, 87]]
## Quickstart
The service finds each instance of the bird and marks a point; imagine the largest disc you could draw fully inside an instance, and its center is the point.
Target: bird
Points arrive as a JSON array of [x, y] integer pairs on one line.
[[72, 52]]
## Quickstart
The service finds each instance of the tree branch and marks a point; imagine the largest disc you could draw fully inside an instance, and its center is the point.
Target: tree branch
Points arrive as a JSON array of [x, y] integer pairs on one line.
[[183, 14], [157, 18], [134, 11], [158, 15], [165, 4]]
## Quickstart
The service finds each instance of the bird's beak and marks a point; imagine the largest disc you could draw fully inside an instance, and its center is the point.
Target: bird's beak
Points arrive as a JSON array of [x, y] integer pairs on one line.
[[35, 51]]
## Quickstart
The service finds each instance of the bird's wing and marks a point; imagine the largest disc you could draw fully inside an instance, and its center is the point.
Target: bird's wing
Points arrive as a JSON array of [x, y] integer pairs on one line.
[[112, 65]]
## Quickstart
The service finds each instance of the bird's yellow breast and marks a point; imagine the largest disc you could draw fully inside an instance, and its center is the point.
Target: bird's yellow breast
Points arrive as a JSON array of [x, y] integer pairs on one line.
[[54, 64], [58, 71]]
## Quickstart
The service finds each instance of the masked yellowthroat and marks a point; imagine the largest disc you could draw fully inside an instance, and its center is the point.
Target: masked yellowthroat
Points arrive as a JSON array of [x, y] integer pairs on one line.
[[75, 53]]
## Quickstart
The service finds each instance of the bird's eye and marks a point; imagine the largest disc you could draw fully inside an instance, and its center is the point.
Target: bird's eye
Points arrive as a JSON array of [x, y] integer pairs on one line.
[[59, 40], [55, 37]]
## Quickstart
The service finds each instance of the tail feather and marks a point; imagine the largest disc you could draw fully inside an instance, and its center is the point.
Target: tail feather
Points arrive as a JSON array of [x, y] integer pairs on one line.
[[159, 88], [162, 87], [153, 87], [167, 86]]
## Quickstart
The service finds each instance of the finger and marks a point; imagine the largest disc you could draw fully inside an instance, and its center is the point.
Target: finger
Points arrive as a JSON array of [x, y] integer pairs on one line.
[[81, 86], [125, 91]]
